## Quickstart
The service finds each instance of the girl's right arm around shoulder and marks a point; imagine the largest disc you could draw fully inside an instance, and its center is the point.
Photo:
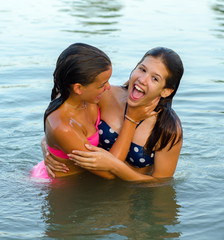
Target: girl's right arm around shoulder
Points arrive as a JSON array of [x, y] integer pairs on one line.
[[102, 160]]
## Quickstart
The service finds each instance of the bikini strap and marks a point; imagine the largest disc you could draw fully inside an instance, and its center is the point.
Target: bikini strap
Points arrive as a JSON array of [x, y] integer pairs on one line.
[[126, 105]]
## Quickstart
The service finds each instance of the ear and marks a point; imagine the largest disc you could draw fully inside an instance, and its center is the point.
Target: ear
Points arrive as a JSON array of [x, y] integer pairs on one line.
[[77, 88], [166, 92]]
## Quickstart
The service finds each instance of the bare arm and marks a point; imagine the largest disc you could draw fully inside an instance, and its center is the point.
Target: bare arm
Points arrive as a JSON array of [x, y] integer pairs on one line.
[[120, 147], [51, 164], [102, 160], [67, 138], [164, 164], [134, 115]]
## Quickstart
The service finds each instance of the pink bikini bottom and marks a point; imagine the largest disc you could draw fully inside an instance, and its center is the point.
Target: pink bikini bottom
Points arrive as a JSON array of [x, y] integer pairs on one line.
[[39, 171]]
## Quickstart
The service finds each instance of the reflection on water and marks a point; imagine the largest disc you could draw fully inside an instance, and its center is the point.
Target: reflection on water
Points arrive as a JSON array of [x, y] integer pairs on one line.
[[90, 206], [32, 34], [94, 17], [218, 8]]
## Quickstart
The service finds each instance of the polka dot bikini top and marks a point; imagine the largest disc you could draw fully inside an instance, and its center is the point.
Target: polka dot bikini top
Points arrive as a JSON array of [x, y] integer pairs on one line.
[[136, 156]]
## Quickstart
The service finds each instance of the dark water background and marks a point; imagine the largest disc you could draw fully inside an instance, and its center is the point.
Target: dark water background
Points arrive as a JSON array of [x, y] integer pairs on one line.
[[32, 35]]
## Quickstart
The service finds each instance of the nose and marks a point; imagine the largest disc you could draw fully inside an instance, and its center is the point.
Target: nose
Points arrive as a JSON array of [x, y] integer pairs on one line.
[[143, 80], [107, 86]]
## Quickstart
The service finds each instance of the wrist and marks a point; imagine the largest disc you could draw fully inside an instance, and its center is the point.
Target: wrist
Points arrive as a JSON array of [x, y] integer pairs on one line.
[[131, 120], [115, 167]]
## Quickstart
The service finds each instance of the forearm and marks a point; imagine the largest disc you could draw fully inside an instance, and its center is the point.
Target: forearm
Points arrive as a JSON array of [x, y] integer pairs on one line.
[[124, 172], [122, 145], [104, 174], [134, 115], [102, 161]]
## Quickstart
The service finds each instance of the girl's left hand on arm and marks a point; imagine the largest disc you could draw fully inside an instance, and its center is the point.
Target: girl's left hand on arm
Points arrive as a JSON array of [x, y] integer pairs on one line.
[[98, 159]]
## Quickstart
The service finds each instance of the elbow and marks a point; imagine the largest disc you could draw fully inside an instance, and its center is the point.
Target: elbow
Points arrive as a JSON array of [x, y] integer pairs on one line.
[[109, 177], [104, 174]]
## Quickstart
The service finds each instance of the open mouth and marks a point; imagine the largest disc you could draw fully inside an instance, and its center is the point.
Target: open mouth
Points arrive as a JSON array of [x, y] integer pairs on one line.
[[137, 92]]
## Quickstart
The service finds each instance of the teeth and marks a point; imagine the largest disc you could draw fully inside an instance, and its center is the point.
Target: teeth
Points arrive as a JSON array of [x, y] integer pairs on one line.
[[138, 88]]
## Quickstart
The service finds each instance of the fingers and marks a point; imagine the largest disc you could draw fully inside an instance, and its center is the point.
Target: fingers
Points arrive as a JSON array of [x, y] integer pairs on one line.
[[153, 103], [151, 106], [55, 165], [94, 150], [84, 162], [144, 111], [86, 165], [50, 173], [57, 168], [76, 153], [83, 159], [51, 160], [92, 147], [153, 113], [156, 100]]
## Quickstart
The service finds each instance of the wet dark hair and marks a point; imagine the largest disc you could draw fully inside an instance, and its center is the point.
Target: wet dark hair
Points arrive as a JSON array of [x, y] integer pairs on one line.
[[168, 123], [79, 63]]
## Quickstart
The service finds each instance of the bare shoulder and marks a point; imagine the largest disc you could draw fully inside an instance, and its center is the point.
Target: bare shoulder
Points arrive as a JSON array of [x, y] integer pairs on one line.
[[60, 126], [111, 95], [114, 89]]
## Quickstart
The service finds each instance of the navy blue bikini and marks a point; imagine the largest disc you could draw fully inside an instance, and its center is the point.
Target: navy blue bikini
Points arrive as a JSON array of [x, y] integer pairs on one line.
[[136, 156]]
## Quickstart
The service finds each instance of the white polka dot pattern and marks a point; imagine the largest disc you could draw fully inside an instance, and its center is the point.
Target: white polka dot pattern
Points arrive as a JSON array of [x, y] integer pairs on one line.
[[136, 157], [111, 130], [142, 160], [136, 149]]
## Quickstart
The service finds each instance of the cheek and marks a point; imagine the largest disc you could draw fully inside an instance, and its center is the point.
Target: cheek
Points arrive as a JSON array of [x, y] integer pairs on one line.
[[133, 76], [98, 92], [103, 90], [152, 91]]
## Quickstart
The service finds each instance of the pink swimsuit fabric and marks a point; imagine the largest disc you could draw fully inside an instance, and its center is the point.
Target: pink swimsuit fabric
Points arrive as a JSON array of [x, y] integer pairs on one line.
[[40, 171]]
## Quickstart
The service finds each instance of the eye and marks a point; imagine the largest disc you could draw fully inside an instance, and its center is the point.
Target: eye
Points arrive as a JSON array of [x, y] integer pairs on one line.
[[142, 69], [155, 79], [103, 85]]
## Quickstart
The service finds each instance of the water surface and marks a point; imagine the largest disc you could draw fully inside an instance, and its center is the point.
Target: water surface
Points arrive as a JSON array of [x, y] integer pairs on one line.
[[32, 35]]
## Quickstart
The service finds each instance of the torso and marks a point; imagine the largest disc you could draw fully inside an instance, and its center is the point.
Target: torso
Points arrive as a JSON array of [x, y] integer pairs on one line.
[[112, 112], [83, 122], [136, 156]]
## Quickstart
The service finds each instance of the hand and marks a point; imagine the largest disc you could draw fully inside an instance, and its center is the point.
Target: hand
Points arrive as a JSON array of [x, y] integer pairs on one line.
[[140, 113], [44, 146], [97, 159], [53, 165], [50, 163]]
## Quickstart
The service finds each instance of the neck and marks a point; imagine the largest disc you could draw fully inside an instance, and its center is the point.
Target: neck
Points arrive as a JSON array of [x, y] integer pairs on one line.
[[76, 103]]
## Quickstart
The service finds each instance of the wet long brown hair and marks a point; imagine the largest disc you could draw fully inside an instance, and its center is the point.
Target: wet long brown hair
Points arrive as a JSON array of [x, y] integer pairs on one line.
[[168, 123], [79, 63]]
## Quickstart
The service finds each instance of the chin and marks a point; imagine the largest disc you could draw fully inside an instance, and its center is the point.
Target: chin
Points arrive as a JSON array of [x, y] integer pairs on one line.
[[96, 101], [133, 103]]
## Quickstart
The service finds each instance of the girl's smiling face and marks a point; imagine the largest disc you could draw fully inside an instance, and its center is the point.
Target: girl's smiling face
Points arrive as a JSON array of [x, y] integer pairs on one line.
[[147, 81], [93, 91]]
